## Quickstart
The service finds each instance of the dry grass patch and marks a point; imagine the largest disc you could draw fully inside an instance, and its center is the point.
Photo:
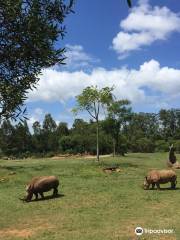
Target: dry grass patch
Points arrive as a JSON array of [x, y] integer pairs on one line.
[[25, 231]]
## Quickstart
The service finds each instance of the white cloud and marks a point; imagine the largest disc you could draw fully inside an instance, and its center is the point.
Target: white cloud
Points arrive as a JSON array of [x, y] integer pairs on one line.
[[143, 26], [38, 112], [151, 83], [37, 115], [77, 58]]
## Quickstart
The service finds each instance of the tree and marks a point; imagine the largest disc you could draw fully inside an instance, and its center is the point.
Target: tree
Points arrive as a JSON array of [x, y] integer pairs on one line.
[[23, 141], [129, 3], [37, 138], [118, 114], [8, 139], [36, 128], [28, 30], [80, 126], [49, 125], [170, 122], [49, 133], [143, 125], [62, 129], [93, 100]]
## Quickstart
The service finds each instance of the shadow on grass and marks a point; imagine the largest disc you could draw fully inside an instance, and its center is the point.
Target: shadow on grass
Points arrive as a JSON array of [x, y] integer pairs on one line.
[[46, 198], [14, 168], [164, 189], [120, 165], [21, 168]]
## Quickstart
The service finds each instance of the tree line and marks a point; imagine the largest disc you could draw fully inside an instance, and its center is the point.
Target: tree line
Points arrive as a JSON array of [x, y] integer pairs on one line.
[[120, 132]]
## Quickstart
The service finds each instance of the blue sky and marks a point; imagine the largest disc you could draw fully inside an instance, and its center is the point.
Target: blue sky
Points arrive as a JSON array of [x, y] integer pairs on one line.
[[136, 50]]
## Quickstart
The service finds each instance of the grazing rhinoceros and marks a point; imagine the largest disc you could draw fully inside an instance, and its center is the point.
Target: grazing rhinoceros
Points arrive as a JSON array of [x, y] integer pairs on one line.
[[39, 185], [157, 177]]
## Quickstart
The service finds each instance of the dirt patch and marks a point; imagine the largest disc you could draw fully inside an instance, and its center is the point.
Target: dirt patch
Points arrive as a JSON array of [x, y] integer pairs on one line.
[[4, 179], [77, 156], [23, 232], [111, 169]]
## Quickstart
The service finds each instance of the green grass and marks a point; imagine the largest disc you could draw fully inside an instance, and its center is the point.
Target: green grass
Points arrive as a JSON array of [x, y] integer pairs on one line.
[[95, 205]]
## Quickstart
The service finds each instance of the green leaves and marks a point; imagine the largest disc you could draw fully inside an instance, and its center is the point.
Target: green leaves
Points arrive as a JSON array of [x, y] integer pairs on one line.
[[28, 30], [129, 3], [92, 99]]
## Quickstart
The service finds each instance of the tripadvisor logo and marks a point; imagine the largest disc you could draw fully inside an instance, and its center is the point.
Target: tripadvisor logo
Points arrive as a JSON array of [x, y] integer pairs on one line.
[[139, 231]]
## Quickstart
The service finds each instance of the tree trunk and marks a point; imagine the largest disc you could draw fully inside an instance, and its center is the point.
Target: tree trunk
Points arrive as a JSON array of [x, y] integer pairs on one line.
[[114, 147], [97, 140]]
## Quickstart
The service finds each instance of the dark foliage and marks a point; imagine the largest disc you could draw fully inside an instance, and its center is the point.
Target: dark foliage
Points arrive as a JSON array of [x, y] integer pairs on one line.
[[143, 132], [28, 32]]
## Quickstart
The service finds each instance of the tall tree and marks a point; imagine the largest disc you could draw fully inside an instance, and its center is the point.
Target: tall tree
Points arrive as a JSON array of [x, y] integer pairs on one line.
[[37, 138], [93, 100], [23, 139], [49, 133], [28, 32], [170, 121], [8, 139], [118, 115], [62, 129]]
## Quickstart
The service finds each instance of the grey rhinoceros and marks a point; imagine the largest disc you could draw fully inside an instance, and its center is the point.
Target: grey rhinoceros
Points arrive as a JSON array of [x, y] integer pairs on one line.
[[39, 185]]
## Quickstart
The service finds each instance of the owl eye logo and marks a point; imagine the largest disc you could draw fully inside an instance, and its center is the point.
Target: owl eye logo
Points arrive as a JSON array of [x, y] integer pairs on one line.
[[139, 231]]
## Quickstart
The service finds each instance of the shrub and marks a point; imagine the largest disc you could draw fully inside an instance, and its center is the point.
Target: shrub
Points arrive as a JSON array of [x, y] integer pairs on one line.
[[161, 146], [177, 146]]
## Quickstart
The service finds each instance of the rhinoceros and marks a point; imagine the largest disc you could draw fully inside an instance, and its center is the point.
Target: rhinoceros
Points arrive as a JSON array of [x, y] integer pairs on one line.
[[39, 185], [157, 177]]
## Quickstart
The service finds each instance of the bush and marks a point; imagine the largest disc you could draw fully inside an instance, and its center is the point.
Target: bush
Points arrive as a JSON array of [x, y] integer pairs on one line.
[[144, 145], [161, 146], [177, 146], [122, 147]]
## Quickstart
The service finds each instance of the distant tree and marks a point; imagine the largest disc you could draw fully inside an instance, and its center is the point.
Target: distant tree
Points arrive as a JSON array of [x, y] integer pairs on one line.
[[23, 141], [145, 145], [170, 123], [118, 114], [93, 100], [49, 133], [37, 138], [66, 144], [37, 128], [80, 126], [62, 129], [144, 125], [28, 30], [49, 125], [8, 139]]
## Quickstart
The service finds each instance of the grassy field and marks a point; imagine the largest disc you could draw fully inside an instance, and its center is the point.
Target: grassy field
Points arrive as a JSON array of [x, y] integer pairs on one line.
[[93, 205]]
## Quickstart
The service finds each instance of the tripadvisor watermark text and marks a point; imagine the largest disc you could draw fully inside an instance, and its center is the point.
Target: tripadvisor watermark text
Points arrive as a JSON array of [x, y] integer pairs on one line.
[[139, 231]]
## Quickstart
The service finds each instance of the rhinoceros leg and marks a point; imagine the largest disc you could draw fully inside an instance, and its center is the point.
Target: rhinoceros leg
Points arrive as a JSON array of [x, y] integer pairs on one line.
[[36, 195], [173, 184], [42, 195], [55, 192], [158, 186]]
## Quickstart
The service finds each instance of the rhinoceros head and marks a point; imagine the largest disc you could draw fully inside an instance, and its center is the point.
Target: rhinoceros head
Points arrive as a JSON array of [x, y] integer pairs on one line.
[[145, 184], [29, 193]]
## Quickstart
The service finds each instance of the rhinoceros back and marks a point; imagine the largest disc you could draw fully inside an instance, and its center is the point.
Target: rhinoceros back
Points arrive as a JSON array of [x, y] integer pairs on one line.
[[45, 184], [167, 176], [161, 176]]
